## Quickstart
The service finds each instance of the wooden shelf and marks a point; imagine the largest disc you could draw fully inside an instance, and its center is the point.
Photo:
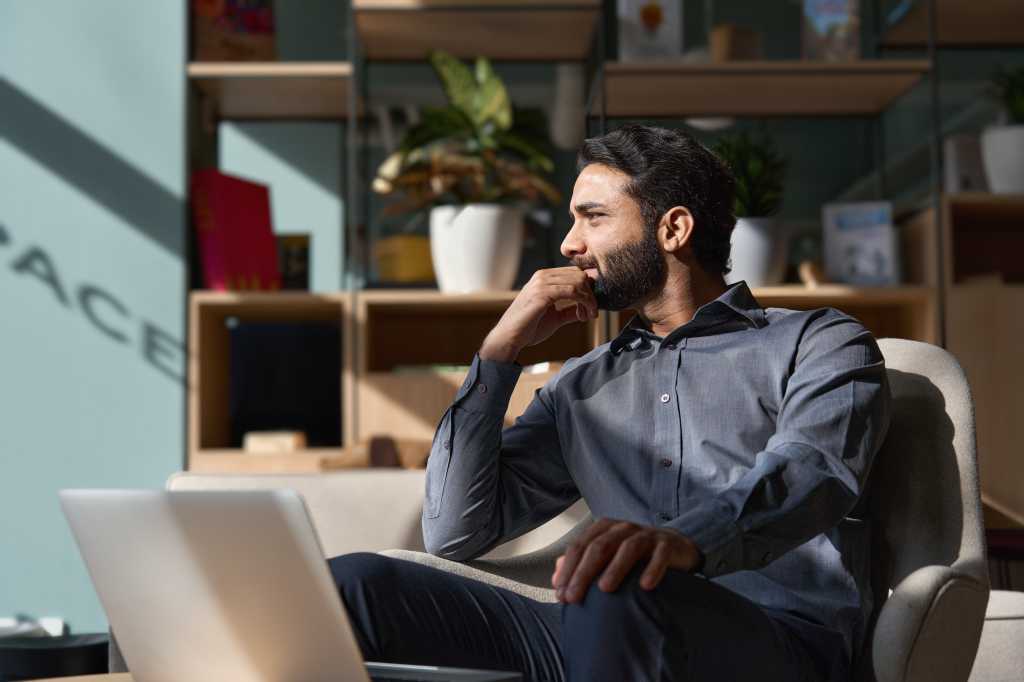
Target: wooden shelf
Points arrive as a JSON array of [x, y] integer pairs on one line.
[[757, 88], [960, 23], [209, 433], [232, 461], [531, 30], [275, 90]]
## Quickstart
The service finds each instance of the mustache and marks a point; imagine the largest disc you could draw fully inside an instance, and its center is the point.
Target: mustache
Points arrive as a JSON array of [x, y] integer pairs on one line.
[[583, 264]]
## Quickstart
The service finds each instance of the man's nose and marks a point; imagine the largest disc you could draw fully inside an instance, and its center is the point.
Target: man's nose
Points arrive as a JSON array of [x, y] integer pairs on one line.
[[572, 245]]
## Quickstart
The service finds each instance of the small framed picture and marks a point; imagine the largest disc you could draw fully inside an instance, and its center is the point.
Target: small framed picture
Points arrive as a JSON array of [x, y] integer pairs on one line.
[[831, 30]]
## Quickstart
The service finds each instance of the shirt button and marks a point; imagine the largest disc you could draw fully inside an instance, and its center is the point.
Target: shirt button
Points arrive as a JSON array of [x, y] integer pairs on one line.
[[482, 388], [447, 445], [664, 517], [671, 346], [666, 463], [665, 397]]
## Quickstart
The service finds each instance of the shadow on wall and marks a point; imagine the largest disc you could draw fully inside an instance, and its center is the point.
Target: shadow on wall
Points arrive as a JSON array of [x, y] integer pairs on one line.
[[89, 166], [104, 311]]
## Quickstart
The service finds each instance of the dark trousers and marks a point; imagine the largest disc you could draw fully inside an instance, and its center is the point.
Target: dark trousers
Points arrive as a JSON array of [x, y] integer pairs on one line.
[[688, 628]]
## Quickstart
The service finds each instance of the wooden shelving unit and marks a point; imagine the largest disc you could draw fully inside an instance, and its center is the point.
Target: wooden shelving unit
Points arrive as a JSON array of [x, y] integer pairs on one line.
[[960, 23], [209, 433], [757, 88], [983, 235], [275, 90], [524, 30]]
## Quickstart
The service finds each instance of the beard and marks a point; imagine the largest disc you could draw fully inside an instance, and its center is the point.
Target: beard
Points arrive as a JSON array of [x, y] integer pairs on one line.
[[630, 273]]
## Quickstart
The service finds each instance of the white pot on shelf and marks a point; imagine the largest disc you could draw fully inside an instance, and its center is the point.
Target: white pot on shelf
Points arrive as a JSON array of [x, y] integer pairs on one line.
[[476, 247], [758, 253], [1002, 152]]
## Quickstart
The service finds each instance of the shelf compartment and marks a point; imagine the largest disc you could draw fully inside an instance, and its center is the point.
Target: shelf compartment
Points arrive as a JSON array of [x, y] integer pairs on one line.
[[960, 23], [757, 88], [210, 358], [235, 461], [275, 90], [527, 30]]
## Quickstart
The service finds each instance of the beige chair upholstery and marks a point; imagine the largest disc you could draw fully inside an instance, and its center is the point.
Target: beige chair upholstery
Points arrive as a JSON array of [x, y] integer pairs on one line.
[[929, 539]]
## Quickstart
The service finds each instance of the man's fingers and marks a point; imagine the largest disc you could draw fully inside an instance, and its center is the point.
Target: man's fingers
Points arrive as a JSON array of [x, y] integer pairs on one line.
[[566, 564], [656, 567], [632, 550], [595, 557]]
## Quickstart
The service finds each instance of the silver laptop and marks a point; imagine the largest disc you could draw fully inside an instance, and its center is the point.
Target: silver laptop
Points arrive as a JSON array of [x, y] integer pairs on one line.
[[223, 585]]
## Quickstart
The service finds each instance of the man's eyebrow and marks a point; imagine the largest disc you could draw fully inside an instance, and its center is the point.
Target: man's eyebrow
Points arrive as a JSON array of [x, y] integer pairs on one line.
[[588, 206]]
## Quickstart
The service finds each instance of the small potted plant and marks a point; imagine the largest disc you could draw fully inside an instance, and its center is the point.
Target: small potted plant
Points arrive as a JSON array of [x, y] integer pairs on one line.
[[758, 254], [1002, 146], [476, 165]]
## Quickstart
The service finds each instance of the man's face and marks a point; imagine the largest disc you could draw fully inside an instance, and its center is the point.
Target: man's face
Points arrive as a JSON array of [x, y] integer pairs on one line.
[[610, 241]]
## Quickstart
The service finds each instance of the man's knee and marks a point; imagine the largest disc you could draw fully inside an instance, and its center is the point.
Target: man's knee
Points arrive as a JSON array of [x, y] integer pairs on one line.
[[631, 596], [361, 570]]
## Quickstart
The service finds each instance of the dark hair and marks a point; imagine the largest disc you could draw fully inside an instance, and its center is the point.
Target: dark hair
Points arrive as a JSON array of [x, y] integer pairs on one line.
[[670, 168]]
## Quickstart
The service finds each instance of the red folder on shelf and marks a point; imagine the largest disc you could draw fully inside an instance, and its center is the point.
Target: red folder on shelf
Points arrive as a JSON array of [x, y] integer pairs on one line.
[[235, 238]]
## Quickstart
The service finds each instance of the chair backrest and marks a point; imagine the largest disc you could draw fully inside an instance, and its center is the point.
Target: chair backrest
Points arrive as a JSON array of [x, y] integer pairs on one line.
[[923, 493]]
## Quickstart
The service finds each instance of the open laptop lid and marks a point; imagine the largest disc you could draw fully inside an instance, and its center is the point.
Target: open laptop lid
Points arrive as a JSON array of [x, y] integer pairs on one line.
[[226, 585]]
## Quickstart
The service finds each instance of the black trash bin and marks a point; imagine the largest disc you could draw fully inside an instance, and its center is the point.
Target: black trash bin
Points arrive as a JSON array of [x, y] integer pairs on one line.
[[31, 658]]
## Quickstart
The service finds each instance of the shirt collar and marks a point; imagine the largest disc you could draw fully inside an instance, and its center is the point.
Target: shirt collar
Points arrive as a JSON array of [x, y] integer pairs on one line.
[[736, 302]]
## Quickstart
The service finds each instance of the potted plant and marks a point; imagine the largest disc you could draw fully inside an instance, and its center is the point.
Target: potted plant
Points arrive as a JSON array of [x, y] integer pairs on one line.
[[758, 253], [476, 165], [1002, 146]]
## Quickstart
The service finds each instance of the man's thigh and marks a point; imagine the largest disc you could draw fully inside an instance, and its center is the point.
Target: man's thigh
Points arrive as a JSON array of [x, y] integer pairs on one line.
[[688, 628], [403, 612]]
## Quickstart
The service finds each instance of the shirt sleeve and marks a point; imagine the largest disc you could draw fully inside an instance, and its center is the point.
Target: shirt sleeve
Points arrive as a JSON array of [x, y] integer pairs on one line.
[[485, 484], [832, 420]]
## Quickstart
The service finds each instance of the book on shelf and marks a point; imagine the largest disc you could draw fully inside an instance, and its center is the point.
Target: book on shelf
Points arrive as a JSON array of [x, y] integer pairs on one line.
[[831, 30], [235, 238], [233, 30], [860, 243]]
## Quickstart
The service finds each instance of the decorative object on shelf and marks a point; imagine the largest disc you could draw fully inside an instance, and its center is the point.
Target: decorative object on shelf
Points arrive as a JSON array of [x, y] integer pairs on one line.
[[811, 274], [730, 43], [650, 29], [293, 261], [1003, 145], [475, 164], [236, 241], [861, 244], [831, 30], [403, 258], [758, 254], [962, 166], [568, 117], [273, 442], [233, 30]]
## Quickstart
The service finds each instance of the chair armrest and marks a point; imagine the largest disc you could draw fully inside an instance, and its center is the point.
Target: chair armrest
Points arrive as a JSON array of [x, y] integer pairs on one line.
[[527, 574], [929, 628]]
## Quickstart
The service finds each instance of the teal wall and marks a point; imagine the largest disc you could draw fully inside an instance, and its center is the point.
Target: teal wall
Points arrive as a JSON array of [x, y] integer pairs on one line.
[[92, 276]]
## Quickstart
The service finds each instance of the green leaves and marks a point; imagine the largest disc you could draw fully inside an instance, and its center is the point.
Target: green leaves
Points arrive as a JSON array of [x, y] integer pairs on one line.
[[480, 95], [476, 149], [759, 169], [1009, 88]]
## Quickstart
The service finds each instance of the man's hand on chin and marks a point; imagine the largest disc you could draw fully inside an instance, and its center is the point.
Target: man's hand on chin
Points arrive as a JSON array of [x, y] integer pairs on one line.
[[610, 549]]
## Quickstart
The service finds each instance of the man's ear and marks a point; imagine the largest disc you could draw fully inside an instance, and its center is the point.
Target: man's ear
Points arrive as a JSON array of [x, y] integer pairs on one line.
[[676, 229]]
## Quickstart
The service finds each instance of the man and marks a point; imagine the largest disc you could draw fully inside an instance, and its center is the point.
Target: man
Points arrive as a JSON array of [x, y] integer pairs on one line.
[[722, 447]]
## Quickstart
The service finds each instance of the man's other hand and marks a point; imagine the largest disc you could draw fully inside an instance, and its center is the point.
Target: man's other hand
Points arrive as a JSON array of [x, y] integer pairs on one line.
[[611, 549]]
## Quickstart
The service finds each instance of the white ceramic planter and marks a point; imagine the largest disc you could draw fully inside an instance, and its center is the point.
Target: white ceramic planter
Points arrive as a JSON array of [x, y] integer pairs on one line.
[[1002, 152], [476, 247], [758, 252]]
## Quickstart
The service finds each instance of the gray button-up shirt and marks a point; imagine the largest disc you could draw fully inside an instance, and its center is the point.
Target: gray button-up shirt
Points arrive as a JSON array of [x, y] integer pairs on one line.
[[750, 431]]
